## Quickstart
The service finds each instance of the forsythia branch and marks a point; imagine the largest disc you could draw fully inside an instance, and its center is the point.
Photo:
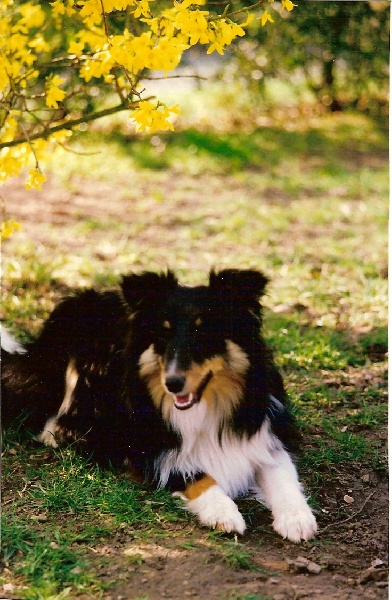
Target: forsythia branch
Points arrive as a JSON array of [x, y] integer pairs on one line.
[[68, 125], [59, 59]]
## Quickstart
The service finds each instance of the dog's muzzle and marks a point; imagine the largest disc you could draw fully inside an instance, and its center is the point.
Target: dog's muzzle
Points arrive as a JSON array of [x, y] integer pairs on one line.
[[176, 383]]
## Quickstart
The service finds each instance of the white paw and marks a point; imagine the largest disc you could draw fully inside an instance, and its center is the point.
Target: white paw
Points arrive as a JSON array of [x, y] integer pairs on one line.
[[215, 509], [47, 435], [296, 525]]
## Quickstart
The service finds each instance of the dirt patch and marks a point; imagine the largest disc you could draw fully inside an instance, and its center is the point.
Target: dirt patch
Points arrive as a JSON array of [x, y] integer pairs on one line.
[[348, 560]]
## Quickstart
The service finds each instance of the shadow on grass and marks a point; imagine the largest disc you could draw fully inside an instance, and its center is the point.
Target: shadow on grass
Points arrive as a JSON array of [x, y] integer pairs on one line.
[[341, 147]]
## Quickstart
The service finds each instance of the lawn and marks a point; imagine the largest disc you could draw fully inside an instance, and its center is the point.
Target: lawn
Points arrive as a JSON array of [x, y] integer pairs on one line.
[[307, 203]]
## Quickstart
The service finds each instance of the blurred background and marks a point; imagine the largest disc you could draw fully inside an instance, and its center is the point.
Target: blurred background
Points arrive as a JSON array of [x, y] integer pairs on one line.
[[278, 161]]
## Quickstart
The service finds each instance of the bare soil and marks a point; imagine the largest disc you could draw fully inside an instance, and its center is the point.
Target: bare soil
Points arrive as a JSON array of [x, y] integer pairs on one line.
[[349, 557]]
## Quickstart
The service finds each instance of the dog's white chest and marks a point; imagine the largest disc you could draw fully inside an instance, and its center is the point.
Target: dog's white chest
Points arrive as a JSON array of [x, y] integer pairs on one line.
[[230, 460]]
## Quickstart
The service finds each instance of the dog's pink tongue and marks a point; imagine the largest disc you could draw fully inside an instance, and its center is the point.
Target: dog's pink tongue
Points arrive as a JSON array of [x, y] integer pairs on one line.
[[183, 399], [184, 402]]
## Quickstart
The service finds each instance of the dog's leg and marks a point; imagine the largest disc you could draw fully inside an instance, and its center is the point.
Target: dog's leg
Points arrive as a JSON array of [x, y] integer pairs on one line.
[[51, 430], [212, 506], [281, 492]]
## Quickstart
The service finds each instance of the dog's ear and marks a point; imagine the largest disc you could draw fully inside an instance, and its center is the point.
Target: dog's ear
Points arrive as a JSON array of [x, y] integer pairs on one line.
[[147, 289], [245, 284]]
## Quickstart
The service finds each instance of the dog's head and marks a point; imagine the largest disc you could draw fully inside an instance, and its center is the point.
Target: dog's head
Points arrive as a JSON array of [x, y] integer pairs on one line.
[[197, 340]]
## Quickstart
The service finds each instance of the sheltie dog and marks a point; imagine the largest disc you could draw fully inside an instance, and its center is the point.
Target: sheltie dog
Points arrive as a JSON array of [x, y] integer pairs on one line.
[[174, 382]]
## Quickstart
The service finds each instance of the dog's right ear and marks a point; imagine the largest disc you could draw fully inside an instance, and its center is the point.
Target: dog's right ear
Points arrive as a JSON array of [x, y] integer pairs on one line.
[[147, 289], [246, 284]]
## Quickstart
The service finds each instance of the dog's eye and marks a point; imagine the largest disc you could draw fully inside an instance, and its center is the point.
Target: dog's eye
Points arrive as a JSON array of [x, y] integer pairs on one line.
[[198, 325]]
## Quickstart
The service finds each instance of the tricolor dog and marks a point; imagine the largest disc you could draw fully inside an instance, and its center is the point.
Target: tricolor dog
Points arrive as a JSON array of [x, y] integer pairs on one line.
[[175, 382]]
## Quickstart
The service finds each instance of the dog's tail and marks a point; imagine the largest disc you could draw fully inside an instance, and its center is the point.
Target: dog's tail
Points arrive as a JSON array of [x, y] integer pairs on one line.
[[9, 344], [13, 394]]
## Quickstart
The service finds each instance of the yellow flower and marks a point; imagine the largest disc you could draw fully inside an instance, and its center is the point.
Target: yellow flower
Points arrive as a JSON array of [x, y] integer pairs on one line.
[[8, 227], [32, 15], [193, 24], [59, 8], [249, 20], [12, 160], [39, 44], [110, 5], [97, 66], [143, 8], [266, 17], [61, 136], [288, 5], [167, 54], [53, 93], [153, 117], [222, 33], [35, 180], [76, 47]]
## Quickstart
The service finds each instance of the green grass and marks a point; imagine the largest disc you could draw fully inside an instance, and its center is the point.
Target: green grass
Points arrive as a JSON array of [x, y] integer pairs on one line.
[[66, 507], [309, 206]]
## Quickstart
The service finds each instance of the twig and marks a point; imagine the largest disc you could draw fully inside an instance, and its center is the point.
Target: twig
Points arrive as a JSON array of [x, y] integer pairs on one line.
[[105, 22], [69, 124], [72, 151], [338, 523], [194, 76], [236, 12]]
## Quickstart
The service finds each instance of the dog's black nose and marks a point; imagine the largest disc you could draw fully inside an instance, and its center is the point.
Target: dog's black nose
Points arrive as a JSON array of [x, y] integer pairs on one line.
[[175, 383]]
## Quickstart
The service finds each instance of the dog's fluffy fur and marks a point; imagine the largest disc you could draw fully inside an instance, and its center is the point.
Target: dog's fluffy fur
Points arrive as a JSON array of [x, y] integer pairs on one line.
[[176, 383]]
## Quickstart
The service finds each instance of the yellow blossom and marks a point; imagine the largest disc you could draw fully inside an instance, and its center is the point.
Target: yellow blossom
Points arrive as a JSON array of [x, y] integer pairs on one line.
[[97, 66], [223, 32], [98, 46], [35, 180], [266, 17], [288, 5], [76, 47], [153, 117], [12, 160], [32, 15], [249, 19], [39, 44], [61, 136], [8, 227], [59, 7], [53, 93], [142, 8], [193, 24]]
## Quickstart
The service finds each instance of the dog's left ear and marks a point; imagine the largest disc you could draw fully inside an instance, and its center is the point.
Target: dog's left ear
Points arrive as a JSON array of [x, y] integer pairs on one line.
[[247, 284], [147, 289]]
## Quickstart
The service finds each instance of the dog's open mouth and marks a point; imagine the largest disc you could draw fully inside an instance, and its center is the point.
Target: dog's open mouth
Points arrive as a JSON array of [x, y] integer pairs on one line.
[[188, 400], [183, 402]]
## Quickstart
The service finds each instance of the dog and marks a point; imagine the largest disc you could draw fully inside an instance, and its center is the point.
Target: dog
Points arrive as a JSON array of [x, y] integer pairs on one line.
[[173, 382]]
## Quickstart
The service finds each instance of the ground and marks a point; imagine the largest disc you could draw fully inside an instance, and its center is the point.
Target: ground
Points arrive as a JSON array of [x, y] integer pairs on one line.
[[84, 230]]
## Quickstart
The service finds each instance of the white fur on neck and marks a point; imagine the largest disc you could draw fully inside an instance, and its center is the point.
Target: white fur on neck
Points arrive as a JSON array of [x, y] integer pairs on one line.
[[231, 460]]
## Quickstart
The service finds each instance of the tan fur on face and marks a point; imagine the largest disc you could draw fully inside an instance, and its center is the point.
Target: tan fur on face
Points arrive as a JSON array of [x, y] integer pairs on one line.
[[222, 394], [150, 370]]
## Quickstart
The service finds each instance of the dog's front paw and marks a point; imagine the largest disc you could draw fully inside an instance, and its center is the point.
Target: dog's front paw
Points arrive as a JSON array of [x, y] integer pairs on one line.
[[296, 525], [215, 509]]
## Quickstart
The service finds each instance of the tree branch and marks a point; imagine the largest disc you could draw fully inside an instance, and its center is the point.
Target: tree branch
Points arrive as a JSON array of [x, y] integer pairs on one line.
[[45, 133]]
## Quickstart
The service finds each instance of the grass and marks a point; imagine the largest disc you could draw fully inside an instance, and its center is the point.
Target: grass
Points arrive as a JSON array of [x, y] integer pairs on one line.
[[306, 204], [67, 506]]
